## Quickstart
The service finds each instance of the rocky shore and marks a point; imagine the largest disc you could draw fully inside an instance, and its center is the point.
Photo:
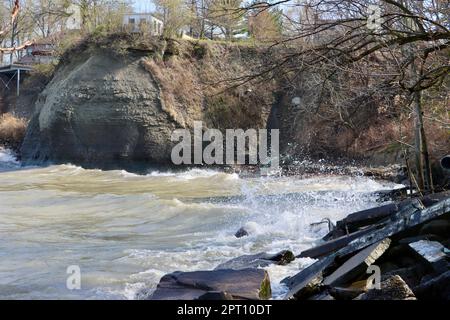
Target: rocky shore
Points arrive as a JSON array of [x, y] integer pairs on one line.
[[397, 251]]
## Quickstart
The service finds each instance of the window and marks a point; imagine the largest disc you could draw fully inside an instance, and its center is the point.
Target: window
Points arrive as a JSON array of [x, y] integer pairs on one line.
[[131, 21]]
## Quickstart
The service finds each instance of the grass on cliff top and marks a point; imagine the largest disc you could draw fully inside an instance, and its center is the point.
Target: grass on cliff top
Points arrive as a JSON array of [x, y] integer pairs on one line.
[[12, 130]]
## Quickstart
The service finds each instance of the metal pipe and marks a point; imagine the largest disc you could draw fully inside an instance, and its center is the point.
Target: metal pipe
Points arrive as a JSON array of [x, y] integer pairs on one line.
[[445, 162]]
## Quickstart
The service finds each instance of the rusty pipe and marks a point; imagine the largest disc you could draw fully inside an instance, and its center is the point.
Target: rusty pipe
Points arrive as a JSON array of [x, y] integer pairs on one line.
[[445, 162]]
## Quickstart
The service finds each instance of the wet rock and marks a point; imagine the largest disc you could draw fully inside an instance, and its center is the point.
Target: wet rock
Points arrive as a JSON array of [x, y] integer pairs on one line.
[[431, 252], [216, 296], [348, 293], [438, 227], [393, 288], [241, 233], [308, 281], [251, 284], [323, 296], [357, 264], [258, 260], [430, 237], [437, 288], [333, 245]]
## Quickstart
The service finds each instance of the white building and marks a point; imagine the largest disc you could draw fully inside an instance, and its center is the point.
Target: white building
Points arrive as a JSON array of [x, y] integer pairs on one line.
[[73, 22], [136, 22]]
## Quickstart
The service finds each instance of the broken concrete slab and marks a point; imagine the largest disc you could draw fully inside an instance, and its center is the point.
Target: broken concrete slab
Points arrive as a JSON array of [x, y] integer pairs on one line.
[[429, 237], [393, 288], [333, 245], [407, 218], [247, 284], [307, 282], [432, 252], [412, 215], [357, 264], [366, 217], [394, 224], [373, 215], [258, 260]]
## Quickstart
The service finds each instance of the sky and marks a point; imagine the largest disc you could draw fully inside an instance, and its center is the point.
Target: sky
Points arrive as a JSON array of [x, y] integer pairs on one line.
[[144, 5]]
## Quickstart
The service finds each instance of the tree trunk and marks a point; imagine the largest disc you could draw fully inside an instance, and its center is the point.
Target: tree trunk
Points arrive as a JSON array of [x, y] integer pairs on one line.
[[423, 166]]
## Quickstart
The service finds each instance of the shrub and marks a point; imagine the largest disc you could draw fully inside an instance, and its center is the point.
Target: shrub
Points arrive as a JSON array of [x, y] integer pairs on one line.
[[12, 130]]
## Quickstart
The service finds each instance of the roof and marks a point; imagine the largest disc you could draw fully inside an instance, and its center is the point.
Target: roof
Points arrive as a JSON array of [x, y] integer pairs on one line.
[[14, 67], [141, 14]]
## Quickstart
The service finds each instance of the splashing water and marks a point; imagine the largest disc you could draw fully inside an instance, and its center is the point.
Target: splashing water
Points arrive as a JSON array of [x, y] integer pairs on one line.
[[126, 231]]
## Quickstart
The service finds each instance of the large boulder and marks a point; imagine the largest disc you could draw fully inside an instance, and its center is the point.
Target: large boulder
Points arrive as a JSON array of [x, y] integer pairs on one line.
[[259, 260], [100, 109], [247, 284], [393, 288], [114, 101]]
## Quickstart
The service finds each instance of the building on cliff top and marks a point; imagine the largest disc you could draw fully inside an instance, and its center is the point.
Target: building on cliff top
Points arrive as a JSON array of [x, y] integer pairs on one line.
[[141, 22]]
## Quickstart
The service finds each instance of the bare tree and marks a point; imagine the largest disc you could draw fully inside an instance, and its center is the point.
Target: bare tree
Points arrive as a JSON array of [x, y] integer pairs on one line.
[[403, 43]]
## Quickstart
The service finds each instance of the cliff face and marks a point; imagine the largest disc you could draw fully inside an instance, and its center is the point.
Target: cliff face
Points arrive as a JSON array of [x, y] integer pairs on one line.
[[97, 109], [104, 108], [114, 102]]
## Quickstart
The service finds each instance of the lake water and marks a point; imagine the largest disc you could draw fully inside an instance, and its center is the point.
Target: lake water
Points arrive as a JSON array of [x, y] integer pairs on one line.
[[126, 231]]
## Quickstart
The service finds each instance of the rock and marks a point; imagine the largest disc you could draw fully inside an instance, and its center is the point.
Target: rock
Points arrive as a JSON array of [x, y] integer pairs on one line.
[[241, 233], [308, 281], [393, 288], [216, 296], [100, 109], [323, 296], [112, 103], [437, 288], [258, 260], [430, 237], [357, 264], [348, 293], [432, 252], [251, 284], [411, 216], [438, 227]]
